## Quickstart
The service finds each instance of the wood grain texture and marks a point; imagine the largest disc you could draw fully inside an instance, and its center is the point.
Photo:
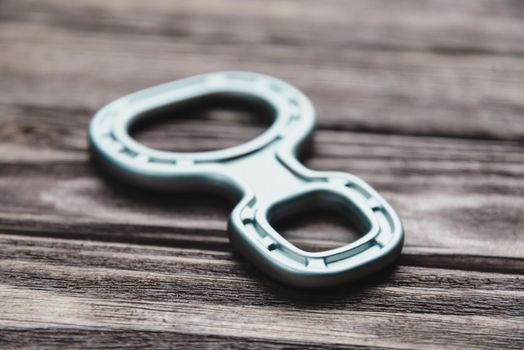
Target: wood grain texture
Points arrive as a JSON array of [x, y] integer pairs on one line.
[[123, 287], [423, 99], [414, 67]]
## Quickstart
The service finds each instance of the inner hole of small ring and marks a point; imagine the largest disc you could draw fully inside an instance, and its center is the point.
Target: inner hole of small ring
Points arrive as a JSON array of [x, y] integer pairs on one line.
[[319, 221], [205, 123]]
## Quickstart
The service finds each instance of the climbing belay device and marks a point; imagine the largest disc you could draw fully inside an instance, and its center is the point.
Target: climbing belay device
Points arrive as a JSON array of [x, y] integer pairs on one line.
[[264, 173]]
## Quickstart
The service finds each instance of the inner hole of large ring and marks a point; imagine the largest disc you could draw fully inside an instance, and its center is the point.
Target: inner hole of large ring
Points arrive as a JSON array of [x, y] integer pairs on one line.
[[319, 221], [206, 123]]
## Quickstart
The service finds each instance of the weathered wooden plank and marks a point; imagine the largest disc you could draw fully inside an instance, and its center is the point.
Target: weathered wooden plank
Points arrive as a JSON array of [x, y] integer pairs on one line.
[[457, 198], [456, 73], [128, 268], [482, 26], [69, 284], [97, 338]]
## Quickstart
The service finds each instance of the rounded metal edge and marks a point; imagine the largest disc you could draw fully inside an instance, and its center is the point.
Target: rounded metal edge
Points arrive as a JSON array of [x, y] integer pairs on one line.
[[274, 92], [292, 276]]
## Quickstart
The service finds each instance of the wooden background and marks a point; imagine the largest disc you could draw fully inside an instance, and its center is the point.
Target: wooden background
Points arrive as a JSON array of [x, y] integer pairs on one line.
[[424, 99]]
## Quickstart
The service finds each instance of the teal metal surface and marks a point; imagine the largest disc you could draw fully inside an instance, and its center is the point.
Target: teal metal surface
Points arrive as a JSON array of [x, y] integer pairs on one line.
[[264, 174]]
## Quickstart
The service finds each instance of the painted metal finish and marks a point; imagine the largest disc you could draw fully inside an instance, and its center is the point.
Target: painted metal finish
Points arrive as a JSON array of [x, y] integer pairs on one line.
[[263, 173]]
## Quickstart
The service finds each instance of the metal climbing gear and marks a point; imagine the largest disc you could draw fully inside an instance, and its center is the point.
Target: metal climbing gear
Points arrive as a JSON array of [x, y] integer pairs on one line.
[[264, 173]]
